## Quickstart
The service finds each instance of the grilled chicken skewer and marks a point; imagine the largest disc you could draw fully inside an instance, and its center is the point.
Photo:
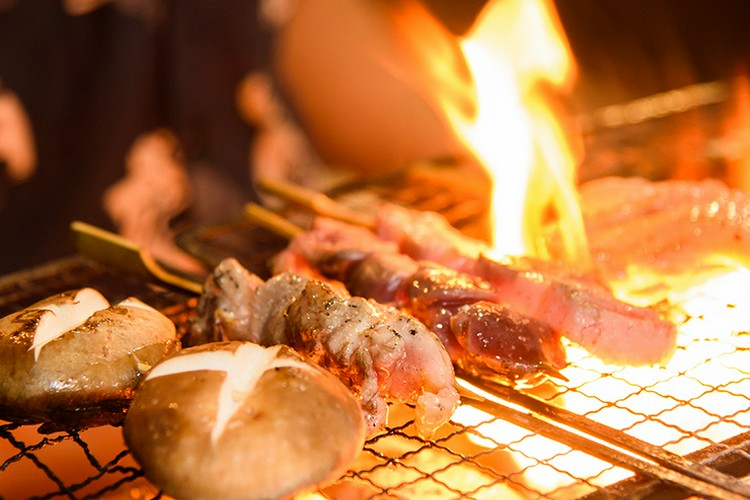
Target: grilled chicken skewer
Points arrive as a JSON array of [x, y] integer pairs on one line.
[[582, 310], [379, 352], [682, 225]]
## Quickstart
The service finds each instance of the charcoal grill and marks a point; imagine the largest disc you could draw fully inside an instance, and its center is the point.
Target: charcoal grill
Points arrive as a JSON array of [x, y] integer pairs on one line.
[[682, 432]]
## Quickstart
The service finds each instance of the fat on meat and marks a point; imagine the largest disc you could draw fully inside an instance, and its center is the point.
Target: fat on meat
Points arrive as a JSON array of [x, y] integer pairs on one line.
[[380, 353]]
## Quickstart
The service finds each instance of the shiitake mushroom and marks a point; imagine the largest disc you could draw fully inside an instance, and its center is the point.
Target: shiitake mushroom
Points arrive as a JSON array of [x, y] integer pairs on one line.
[[73, 360], [236, 420]]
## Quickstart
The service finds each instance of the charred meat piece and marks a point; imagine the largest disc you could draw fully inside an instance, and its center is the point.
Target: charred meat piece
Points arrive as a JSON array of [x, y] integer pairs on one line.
[[498, 340], [494, 338], [435, 294], [381, 353]]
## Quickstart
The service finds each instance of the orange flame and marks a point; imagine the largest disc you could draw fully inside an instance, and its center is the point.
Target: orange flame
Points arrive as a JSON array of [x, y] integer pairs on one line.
[[491, 87], [515, 48]]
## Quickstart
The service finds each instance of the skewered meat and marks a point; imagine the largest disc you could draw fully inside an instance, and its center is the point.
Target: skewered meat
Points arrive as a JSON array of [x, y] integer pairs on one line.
[[496, 339], [680, 226], [493, 340], [583, 312], [669, 227], [379, 352], [480, 338], [426, 235], [433, 294]]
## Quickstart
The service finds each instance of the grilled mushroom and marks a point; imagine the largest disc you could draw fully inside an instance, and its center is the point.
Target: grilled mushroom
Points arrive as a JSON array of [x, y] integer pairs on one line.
[[73, 360], [238, 420]]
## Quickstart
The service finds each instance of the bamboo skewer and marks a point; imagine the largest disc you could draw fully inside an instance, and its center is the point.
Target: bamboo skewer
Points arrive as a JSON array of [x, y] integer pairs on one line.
[[114, 250], [316, 201], [272, 221]]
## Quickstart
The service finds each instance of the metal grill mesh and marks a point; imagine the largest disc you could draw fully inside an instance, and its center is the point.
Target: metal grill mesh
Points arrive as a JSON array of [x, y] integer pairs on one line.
[[532, 444]]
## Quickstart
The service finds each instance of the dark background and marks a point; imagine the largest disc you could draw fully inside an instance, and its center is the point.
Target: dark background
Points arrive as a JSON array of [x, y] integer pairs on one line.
[[632, 49]]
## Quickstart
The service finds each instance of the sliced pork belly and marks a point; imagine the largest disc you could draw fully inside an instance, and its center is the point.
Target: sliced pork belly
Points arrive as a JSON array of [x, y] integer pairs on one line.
[[380, 353]]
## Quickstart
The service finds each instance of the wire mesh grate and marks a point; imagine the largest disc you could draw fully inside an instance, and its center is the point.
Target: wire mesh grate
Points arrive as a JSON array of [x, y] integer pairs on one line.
[[696, 403]]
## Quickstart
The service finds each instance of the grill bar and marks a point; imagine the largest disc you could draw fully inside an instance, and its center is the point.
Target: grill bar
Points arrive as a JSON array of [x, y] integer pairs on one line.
[[602, 442], [731, 456]]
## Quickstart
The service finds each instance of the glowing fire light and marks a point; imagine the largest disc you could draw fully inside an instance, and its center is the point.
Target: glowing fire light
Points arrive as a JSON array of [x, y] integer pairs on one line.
[[490, 86], [514, 48]]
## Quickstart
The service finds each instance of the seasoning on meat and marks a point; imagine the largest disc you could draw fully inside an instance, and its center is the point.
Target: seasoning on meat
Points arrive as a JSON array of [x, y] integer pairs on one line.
[[433, 294]]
